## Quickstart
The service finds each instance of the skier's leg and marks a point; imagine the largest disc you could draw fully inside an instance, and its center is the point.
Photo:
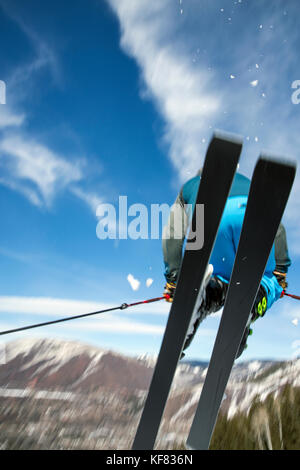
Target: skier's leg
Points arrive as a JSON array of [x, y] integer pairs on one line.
[[224, 253], [270, 291], [213, 300], [259, 309]]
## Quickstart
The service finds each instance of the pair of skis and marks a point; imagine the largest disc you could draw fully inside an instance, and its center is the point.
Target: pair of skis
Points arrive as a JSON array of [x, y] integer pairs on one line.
[[270, 188]]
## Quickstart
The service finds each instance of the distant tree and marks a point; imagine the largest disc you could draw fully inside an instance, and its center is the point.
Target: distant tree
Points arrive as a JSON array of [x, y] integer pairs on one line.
[[272, 424]]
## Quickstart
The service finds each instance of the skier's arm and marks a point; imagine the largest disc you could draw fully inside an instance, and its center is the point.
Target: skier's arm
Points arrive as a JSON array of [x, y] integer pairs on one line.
[[173, 238], [274, 280], [282, 258]]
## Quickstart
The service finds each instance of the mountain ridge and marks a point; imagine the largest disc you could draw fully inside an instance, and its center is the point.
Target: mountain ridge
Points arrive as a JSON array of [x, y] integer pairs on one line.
[[75, 389]]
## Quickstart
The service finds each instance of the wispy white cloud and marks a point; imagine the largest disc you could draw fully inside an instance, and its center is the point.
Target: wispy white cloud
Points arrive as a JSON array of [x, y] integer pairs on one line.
[[114, 325], [186, 62], [41, 174], [91, 199], [118, 325], [44, 55], [68, 307], [35, 170], [28, 165], [9, 118], [46, 306], [181, 92]]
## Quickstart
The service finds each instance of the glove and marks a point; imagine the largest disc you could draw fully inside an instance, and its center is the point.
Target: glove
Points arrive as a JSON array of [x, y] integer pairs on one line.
[[169, 291], [281, 279], [260, 305]]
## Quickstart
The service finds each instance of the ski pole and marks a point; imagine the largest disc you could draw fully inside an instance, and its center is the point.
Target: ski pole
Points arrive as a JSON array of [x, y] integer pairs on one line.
[[290, 295], [121, 307]]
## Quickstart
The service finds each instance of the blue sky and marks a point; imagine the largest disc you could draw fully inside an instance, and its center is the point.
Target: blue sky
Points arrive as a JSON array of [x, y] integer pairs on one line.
[[120, 97]]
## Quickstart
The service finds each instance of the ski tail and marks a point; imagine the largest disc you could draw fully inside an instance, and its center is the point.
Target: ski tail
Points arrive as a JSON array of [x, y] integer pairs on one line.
[[218, 172], [264, 211]]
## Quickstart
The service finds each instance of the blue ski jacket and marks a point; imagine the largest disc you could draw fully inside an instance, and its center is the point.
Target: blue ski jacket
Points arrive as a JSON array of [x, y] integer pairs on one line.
[[227, 239]]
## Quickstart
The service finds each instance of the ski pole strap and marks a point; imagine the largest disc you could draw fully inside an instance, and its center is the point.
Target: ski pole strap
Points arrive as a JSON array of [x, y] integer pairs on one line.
[[156, 299]]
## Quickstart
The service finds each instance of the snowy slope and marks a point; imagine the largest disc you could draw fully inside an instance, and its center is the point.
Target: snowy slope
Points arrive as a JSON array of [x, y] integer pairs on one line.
[[69, 366]]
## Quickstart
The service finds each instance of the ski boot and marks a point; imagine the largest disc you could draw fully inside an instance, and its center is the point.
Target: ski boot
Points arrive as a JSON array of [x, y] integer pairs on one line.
[[212, 300], [216, 291], [258, 311]]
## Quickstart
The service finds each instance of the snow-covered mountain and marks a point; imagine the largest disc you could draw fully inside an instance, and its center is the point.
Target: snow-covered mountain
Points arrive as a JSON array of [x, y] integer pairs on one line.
[[54, 364], [88, 397], [248, 381]]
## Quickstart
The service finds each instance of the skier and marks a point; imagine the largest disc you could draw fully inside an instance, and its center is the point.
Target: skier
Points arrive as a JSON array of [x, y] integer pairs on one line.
[[216, 283]]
